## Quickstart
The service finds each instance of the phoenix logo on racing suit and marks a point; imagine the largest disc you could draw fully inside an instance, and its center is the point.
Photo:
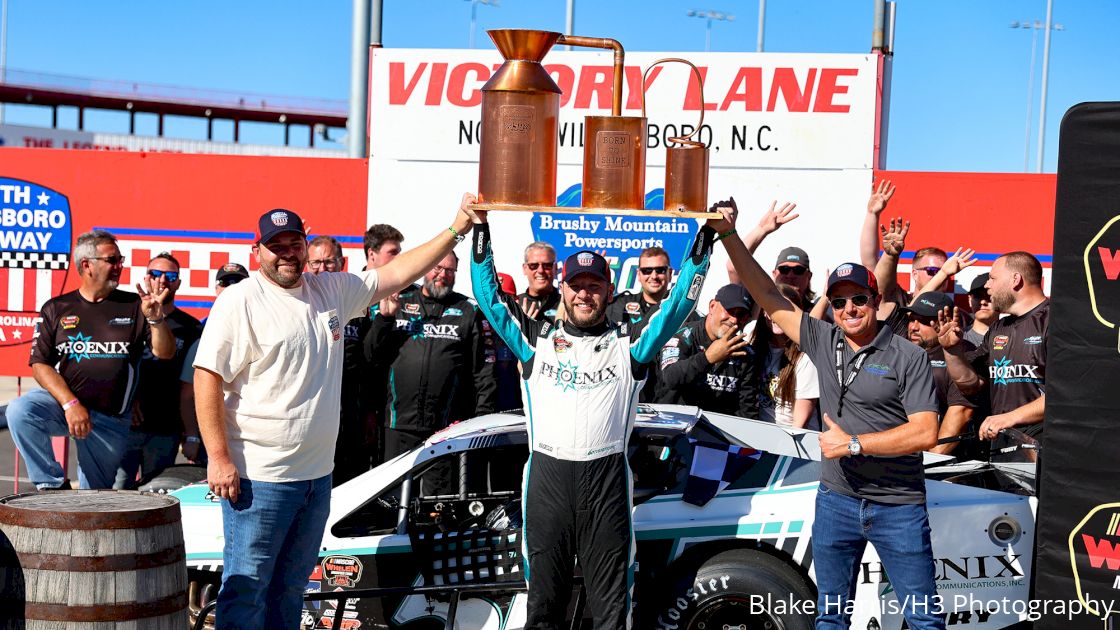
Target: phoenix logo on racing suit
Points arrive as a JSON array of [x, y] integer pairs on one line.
[[81, 346], [568, 376], [1003, 372]]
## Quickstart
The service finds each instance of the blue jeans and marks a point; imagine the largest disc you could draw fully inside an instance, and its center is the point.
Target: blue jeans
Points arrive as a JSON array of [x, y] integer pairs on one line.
[[36, 417], [273, 534], [147, 453], [900, 533]]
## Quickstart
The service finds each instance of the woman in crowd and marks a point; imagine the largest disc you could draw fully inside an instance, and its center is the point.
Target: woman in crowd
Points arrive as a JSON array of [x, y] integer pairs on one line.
[[789, 391]]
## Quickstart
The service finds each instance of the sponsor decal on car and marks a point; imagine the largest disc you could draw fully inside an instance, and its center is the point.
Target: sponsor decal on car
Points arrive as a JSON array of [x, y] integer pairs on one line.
[[342, 570]]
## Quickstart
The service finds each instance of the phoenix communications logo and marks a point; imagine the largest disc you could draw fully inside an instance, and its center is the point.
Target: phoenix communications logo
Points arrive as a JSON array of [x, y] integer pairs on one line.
[[80, 347]]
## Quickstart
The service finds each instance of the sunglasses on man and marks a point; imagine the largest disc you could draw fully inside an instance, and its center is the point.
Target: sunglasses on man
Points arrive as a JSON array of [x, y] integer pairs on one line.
[[533, 266], [230, 281], [932, 271], [660, 270], [860, 299], [795, 270], [171, 276]]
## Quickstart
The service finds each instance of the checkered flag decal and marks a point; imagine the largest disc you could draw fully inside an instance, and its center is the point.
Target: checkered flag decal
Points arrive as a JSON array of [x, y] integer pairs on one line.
[[34, 260], [714, 467]]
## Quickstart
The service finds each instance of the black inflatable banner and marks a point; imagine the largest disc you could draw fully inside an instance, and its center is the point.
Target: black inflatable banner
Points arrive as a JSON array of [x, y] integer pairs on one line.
[[1079, 514]]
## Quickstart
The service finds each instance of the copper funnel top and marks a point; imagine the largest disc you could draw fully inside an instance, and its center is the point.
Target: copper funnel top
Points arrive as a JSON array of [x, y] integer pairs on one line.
[[523, 44]]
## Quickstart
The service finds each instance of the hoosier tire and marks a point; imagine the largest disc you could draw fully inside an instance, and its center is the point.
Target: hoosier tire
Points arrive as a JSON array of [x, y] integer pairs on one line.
[[741, 589]]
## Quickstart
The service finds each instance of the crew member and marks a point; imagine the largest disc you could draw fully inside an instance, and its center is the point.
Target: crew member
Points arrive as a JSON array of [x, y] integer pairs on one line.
[[431, 344], [709, 363], [1014, 349], [540, 299], [954, 409]]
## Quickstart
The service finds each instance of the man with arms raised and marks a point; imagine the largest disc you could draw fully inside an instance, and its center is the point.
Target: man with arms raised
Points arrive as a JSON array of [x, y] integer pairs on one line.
[[267, 389], [880, 412], [581, 378]]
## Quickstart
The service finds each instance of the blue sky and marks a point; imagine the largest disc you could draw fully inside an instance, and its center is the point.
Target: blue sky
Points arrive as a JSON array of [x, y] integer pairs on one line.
[[959, 94]]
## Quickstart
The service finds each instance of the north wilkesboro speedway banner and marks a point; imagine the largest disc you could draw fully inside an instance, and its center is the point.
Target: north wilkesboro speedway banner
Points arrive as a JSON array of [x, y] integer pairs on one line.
[[780, 126], [1079, 520]]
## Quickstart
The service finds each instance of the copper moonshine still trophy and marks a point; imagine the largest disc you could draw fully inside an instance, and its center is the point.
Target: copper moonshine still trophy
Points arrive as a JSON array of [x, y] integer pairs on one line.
[[686, 164], [520, 113]]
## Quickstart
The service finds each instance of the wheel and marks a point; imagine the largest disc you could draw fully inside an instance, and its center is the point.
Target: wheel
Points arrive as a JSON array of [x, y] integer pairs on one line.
[[739, 589]]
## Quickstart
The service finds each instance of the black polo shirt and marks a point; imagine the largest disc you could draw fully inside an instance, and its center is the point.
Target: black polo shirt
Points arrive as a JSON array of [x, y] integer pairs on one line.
[[1014, 353], [893, 381]]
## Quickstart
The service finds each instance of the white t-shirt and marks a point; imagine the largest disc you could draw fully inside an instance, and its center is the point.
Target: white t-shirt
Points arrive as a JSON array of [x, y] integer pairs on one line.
[[770, 407], [279, 353]]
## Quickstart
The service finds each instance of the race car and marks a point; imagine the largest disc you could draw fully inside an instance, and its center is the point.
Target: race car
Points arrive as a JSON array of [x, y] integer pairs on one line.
[[723, 520]]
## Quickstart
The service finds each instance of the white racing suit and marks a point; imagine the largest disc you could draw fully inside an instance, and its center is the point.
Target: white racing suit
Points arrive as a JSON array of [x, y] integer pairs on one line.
[[580, 387]]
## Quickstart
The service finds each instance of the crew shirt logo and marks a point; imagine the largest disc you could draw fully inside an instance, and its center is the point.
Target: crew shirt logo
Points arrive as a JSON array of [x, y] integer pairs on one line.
[[1033, 340], [878, 369], [79, 347], [999, 342], [453, 312], [723, 383], [69, 321], [1003, 372]]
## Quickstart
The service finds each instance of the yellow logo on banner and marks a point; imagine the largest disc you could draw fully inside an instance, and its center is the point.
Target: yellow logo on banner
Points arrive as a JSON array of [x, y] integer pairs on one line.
[[1103, 252]]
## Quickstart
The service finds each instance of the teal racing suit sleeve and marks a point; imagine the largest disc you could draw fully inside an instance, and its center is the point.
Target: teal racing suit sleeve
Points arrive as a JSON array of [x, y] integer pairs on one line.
[[681, 301], [507, 319]]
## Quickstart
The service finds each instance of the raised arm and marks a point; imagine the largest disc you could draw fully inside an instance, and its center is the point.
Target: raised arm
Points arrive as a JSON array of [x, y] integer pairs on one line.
[[957, 361], [409, 266], [886, 270], [509, 322], [868, 239], [771, 220], [761, 286], [961, 259]]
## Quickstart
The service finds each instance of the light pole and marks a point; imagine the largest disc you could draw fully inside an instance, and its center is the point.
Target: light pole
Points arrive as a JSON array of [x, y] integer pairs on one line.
[[1034, 27], [710, 16], [474, 10]]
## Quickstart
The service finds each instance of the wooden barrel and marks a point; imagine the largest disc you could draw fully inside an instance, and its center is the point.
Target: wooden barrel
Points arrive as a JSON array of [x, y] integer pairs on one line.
[[92, 559]]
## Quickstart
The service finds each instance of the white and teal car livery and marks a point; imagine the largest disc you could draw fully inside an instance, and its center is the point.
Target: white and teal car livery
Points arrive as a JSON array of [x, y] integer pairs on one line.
[[742, 559]]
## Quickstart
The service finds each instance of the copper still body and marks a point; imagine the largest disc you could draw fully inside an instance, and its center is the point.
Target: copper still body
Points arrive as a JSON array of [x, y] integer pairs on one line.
[[614, 162], [520, 111], [686, 164]]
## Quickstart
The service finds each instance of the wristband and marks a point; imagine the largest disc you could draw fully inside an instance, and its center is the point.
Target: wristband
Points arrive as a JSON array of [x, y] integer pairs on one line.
[[68, 404], [733, 232], [456, 235], [155, 322], [192, 439]]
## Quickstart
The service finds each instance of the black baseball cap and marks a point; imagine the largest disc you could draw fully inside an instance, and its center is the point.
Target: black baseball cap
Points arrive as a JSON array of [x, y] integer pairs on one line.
[[278, 221], [978, 283], [856, 274], [930, 304], [586, 262], [229, 270], [734, 296], [794, 255]]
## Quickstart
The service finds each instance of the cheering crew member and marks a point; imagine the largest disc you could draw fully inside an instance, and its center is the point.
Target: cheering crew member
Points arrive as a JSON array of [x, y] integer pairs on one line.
[[581, 378], [1013, 351], [709, 363], [953, 408], [85, 354], [880, 412], [431, 344]]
